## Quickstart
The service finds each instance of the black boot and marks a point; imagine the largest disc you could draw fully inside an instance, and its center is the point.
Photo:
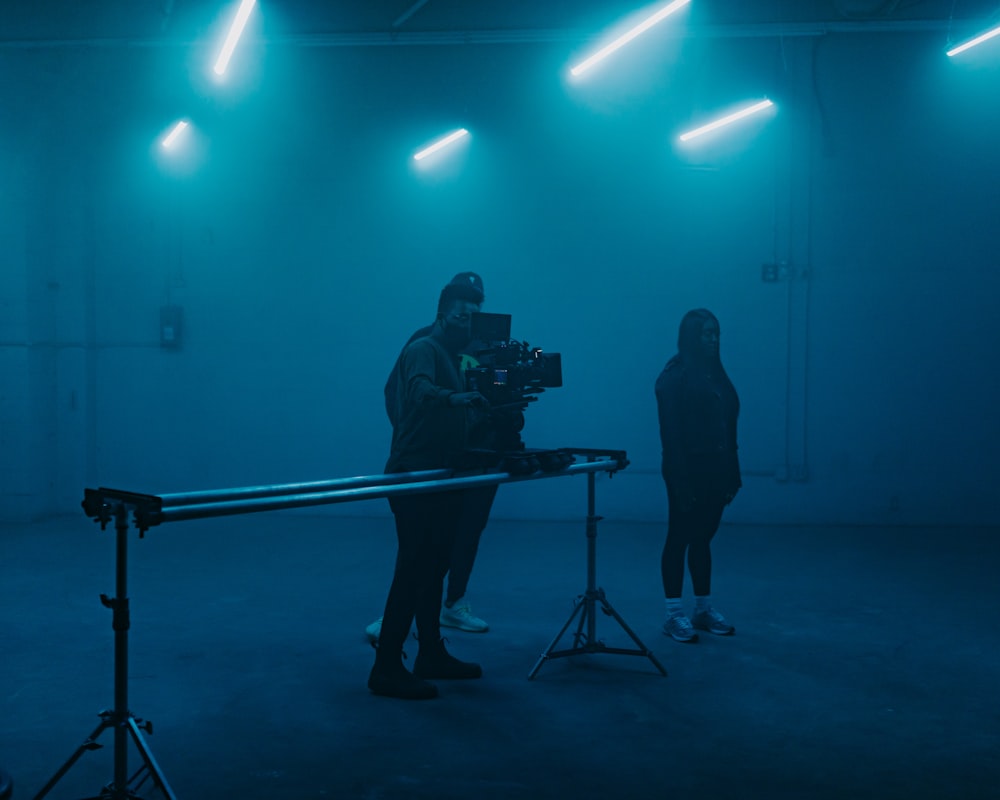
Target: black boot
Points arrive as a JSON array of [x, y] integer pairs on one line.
[[433, 661], [390, 678]]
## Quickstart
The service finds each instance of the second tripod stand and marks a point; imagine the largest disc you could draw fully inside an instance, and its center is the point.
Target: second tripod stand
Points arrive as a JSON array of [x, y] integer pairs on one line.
[[120, 720], [585, 638]]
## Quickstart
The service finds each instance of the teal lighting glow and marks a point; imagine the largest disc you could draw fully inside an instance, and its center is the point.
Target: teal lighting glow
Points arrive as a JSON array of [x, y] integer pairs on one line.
[[726, 120], [973, 42], [235, 31], [444, 141], [627, 37], [171, 138]]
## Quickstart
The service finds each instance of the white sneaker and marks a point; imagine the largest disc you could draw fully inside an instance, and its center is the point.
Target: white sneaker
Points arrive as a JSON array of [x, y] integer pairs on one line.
[[374, 630], [712, 621], [460, 616], [678, 627]]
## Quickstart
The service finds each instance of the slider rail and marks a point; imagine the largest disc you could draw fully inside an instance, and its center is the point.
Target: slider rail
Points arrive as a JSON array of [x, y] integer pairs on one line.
[[151, 510]]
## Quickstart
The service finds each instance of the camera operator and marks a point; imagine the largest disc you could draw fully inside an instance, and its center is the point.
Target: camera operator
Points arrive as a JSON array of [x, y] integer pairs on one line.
[[430, 422], [476, 503]]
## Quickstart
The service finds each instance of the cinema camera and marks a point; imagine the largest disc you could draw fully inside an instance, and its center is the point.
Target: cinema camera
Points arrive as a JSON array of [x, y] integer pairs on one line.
[[510, 374]]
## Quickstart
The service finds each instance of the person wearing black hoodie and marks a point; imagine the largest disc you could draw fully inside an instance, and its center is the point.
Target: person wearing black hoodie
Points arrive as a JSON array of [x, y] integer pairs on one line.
[[429, 430], [698, 409], [456, 611]]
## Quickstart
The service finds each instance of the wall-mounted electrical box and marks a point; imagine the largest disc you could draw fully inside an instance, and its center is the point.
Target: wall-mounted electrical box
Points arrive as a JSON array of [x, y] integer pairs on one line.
[[772, 273], [171, 319]]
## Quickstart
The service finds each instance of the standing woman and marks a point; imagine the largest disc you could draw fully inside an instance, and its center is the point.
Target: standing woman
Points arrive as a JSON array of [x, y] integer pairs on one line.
[[698, 408]]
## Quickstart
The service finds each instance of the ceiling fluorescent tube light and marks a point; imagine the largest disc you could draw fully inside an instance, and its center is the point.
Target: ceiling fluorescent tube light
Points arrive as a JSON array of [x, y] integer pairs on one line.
[[443, 142], [234, 35], [625, 38], [973, 42], [171, 137], [726, 120]]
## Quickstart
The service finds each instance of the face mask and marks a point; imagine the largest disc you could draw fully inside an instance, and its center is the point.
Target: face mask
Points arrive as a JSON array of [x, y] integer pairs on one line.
[[456, 335]]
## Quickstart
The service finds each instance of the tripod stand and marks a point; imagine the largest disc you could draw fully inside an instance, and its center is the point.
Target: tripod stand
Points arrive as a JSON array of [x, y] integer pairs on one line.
[[120, 719], [586, 608]]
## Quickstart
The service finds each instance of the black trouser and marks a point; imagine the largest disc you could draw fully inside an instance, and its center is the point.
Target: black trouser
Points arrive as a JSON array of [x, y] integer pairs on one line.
[[689, 531], [475, 513], [425, 531]]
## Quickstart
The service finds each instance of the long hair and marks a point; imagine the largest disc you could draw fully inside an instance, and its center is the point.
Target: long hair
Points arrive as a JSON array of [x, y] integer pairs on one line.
[[689, 335], [689, 344]]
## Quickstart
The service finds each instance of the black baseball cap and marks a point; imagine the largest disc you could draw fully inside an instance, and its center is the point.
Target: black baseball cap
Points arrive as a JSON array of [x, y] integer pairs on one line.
[[469, 279]]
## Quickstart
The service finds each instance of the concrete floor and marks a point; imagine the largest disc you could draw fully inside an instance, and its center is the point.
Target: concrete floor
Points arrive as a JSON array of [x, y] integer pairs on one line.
[[864, 665]]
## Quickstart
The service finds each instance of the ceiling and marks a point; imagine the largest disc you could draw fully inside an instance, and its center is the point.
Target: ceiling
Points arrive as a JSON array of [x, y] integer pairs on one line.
[[41, 22]]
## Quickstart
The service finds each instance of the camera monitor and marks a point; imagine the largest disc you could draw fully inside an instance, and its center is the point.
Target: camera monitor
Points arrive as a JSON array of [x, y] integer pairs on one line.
[[490, 327]]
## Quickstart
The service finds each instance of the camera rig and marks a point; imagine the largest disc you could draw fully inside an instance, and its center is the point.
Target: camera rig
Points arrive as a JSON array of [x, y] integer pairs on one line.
[[509, 374]]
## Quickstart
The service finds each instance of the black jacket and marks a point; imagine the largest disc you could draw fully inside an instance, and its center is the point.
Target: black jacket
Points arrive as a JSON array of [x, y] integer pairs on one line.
[[481, 433], [428, 432], [698, 411], [392, 382]]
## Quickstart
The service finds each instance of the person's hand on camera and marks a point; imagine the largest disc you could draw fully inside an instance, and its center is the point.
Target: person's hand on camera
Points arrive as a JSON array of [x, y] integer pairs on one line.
[[468, 400]]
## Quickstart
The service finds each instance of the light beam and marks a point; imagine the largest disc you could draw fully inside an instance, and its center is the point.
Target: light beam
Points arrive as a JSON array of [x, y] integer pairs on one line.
[[627, 37], [726, 120], [440, 143], [974, 41], [171, 138], [235, 31]]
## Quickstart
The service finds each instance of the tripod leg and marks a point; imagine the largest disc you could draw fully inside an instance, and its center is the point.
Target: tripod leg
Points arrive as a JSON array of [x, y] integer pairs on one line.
[[618, 618], [147, 756], [90, 743], [581, 639], [578, 607]]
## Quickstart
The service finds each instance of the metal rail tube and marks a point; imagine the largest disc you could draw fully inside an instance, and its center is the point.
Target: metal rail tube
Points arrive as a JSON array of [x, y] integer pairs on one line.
[[274, 490], [247, 505]]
